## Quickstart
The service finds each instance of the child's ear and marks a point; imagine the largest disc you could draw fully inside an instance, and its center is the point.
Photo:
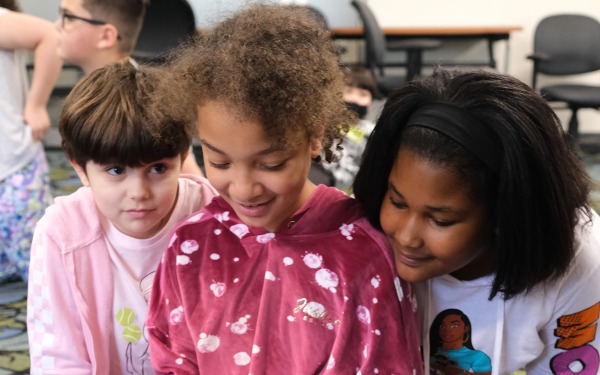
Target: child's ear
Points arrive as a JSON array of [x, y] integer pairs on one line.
[[315, 147], [108, 37], [80, 172]]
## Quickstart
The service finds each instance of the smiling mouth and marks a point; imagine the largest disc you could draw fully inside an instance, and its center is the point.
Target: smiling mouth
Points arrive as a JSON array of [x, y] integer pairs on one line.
[[254, 210], [251, 205], [411, 261]]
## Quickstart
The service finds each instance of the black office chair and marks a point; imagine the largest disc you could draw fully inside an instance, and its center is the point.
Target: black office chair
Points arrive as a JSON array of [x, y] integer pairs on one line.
[[322, 21], [377, 47], [568, 44], [318, 15], [167, 23], [319, 175]]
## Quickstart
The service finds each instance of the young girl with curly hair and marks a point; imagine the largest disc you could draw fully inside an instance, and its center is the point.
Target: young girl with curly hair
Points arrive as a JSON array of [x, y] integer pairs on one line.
[[276, 275]]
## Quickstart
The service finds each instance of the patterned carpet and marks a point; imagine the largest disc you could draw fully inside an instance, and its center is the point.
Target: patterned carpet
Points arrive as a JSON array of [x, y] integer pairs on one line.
[[63, 178], [14, 352]]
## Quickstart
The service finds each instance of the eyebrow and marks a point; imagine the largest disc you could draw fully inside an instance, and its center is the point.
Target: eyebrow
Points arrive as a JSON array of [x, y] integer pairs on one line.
[[65, 10], [442, 208], [266, 151]]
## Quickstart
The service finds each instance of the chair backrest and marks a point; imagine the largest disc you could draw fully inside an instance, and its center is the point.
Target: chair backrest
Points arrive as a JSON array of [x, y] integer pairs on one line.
[[319, 17], [319, 175], [374, 38], [167, 23], [570, 41]]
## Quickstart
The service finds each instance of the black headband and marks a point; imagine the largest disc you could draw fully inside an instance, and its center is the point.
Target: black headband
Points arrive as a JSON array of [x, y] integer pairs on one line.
[[460, 126]]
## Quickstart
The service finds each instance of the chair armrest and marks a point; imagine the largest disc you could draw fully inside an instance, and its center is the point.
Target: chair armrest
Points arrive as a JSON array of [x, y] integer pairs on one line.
[[422, 44], [538, 57]]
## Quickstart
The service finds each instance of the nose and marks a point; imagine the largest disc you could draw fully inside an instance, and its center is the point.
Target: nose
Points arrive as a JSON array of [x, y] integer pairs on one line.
[[408, 231], [138, 188], [245, 188]]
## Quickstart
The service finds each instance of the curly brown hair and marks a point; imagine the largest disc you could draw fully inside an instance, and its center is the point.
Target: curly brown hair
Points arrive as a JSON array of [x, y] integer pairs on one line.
[[269, 63]]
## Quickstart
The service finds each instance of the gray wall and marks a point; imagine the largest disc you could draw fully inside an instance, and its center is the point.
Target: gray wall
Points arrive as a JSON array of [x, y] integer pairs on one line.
[[47, 9], [338, 12]]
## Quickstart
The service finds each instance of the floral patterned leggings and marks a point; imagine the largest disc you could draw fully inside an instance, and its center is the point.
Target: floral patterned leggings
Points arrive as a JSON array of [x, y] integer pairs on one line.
[[24, 196]]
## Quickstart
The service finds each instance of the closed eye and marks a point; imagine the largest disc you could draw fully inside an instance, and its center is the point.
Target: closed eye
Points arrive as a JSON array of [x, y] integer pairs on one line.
[[219, 165], [442, 223], [273, 168], [397, 204]]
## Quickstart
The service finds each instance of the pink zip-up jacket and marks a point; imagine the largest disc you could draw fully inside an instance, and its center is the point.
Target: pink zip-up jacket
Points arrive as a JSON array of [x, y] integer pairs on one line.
[[70, 297]]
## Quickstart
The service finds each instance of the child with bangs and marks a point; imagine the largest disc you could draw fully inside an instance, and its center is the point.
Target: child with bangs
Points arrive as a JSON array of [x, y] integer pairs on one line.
[[95, 252]]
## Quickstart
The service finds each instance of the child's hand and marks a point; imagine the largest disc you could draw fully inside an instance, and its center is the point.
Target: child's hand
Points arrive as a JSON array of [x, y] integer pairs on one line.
[[38, 120]]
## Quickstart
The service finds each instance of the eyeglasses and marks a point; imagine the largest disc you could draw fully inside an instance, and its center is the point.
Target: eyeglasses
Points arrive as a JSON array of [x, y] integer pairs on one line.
[[64, 15]]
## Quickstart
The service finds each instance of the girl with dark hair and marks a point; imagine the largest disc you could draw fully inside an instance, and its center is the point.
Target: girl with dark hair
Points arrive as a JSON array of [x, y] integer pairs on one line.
[[486, 207]]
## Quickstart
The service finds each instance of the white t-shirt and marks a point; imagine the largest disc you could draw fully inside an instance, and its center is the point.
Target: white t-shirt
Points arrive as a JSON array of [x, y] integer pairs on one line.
[[134, 262], [17, 147], [552, 330]]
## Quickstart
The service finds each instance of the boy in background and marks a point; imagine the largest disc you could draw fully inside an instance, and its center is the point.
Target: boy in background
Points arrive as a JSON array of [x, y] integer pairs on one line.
[[359, 91], [94, 33]]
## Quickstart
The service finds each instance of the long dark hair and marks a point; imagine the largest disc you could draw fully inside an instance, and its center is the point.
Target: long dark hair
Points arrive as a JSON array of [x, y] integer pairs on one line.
[[536, 197]]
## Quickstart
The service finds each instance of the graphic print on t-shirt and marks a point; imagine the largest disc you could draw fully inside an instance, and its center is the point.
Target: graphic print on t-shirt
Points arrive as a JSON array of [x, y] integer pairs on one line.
[[451, 348], [575, 332], [137, 347]]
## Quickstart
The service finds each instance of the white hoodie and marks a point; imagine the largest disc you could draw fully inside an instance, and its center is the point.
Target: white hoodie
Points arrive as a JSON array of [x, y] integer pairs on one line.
[[551, 330]]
